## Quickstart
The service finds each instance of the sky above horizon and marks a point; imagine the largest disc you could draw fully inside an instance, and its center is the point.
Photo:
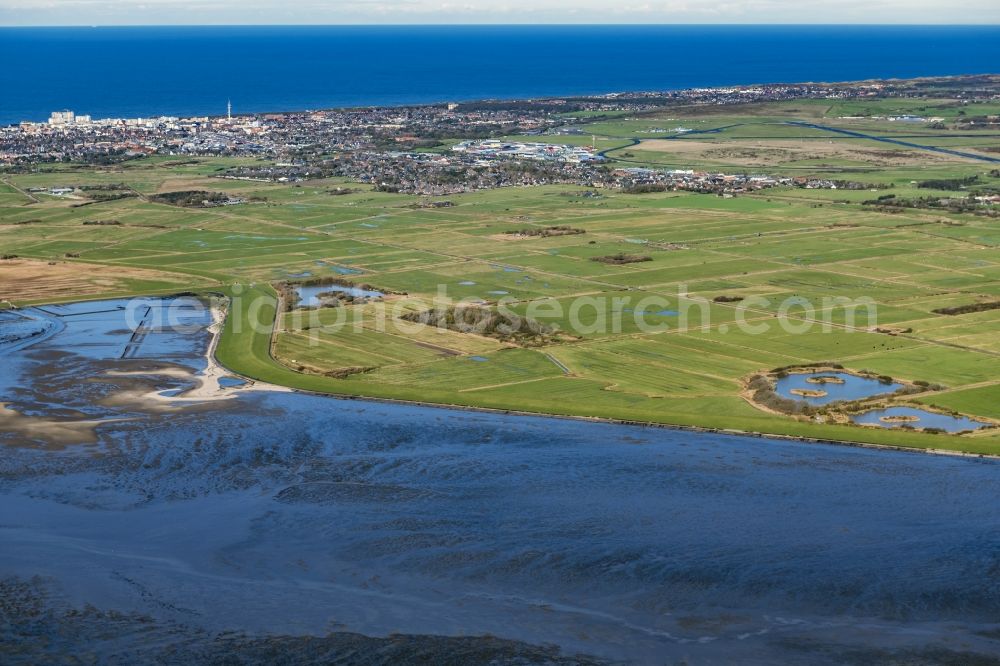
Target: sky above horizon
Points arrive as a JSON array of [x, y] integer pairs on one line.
[[312, 12]]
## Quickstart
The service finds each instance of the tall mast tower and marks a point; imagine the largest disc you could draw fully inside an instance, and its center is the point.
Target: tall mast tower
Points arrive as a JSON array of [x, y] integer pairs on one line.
[[229, 109]]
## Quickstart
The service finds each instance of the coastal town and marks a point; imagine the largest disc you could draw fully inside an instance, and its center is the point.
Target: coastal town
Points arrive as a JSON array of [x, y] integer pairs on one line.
[[435, 149], [67, 135]]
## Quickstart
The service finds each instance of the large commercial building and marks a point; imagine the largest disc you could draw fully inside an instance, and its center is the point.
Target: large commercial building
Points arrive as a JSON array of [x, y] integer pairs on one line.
[[62, 118]]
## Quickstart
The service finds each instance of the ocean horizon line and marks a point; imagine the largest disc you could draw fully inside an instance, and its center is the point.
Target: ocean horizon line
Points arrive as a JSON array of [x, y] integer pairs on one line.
[[606, 24], [542, 97]]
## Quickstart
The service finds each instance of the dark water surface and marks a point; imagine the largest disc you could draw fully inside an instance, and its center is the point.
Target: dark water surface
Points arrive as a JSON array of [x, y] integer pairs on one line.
[[245, 526], [921, 418], [151, 71], [849, 387]]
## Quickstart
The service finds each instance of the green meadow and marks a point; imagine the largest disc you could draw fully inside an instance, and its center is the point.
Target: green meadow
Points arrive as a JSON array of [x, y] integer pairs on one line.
[[644, 341]]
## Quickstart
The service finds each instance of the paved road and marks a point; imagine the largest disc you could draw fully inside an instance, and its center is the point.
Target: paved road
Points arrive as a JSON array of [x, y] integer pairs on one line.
[[909, 144]]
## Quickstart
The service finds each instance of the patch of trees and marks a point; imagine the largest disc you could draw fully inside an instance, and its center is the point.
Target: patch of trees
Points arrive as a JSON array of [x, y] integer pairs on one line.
[[957, 205], [323, 281], [855, 185], [645, 188], [341, 373], [190, 198], [501, 325], [108, 158], [784, 370], [107, 191], [969, 122], [336, 373], [102, 187], [968, 308], [950, 184], [621, 258], [335, 298], [102, 223], [114, 195], [8, 256], [559, 230], [432, 204], [923, 385], [727, 299]]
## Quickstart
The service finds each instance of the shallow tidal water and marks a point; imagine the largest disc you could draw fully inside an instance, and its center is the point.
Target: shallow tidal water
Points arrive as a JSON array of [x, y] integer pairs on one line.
[[261, 524]]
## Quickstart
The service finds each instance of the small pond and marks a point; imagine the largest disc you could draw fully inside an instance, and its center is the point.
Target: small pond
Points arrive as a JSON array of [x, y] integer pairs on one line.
[[231, 382], [916, 418], [309, 296], [657, 313], [844, 386]]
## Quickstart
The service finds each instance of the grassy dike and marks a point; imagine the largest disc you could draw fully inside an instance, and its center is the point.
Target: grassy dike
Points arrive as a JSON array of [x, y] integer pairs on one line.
[[244, 348]]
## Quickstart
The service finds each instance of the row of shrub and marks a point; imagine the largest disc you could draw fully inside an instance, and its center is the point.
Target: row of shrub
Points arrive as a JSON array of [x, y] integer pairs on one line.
[[622, 258], [968, 308], [505, 326], [189, 198], [559, 230]]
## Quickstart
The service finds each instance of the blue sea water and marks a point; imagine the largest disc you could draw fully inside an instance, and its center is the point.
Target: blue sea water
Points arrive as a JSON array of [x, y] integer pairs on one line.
[[144, 71], [174, 523]]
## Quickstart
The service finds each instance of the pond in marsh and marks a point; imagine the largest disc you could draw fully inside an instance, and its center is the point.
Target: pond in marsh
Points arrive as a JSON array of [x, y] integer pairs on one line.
[[252, 523], [895, 417], [309, 296], [842, 386]]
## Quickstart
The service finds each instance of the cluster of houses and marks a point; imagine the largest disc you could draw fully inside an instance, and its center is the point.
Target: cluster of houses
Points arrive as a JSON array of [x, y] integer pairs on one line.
[[699, 181], [68, 136]]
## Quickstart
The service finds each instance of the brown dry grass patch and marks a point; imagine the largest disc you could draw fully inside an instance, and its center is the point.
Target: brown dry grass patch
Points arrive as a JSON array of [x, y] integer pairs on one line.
[[23, 280], [758, 152]]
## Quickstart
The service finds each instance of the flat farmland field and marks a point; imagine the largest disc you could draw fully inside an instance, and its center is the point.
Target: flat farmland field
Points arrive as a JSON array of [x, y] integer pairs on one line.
[[654, 307]]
